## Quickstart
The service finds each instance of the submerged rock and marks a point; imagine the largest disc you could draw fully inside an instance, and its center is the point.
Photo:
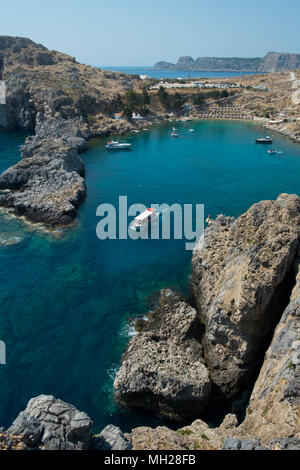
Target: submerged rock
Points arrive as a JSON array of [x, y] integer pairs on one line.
[[162, 369], [240, 279]]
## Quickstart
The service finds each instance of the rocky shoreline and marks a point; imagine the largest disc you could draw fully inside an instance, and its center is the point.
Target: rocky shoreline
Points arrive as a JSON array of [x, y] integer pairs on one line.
[[245, 282], [244, 326], [63, 104]]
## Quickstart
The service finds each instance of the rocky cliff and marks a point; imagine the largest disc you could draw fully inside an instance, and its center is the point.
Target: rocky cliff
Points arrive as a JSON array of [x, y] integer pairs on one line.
[[241, 280], [246, 283], [272, 62], [247, 294], [163, 368], [63, 103], [48, 423]]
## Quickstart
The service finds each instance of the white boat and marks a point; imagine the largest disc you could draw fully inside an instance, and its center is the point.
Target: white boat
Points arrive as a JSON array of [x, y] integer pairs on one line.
[[173, 134], [192, 130], [143, 219], [115, 144], [264, 140]]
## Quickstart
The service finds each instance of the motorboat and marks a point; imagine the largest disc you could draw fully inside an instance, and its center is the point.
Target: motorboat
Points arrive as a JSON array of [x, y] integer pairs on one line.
[[143, 219], [264, 140], [116, 145]]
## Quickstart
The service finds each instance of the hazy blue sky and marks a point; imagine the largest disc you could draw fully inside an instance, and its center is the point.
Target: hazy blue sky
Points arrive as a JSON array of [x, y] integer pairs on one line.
[[140, 32]]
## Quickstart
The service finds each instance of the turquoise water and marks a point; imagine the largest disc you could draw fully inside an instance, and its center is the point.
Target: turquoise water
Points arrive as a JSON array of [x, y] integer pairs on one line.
[[160, 74], [66, 300]]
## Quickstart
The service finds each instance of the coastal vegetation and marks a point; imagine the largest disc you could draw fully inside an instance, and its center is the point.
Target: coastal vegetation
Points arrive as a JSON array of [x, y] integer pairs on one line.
[[170, 102]]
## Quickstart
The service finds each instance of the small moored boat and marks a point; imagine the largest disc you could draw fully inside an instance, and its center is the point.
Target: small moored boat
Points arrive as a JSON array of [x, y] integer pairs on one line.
[[116, 145], [143, 219], [264, 140]]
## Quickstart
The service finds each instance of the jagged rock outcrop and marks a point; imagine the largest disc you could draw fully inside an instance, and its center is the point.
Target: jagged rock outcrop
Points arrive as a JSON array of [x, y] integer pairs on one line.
[[47, 184], [280, 62], [274, 408], [48, 423], [51, 424], [111, 438], [265, 238], [162, 369], [240, 279], [64, 103]]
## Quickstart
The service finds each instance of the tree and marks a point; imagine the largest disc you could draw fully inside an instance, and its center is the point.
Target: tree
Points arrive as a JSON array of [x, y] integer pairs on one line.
[[145, 97], [198, 99], [132, 99], [176, 101], [118, 102], [127, 113], [163, 96]]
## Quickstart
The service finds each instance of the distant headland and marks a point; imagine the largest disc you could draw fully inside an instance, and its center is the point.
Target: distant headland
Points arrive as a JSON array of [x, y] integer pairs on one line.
[[272, 62]]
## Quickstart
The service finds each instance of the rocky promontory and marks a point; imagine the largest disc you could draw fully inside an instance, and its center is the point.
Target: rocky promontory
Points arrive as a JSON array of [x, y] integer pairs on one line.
[[48, 423], [241, 282], [246, 284], [271, 62], [247, 300], [163, 369], [61, 104]]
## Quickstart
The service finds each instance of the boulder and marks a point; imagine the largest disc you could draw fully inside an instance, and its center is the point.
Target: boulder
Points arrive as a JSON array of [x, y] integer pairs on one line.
[[111, 438], [162, 369], [51, 424]]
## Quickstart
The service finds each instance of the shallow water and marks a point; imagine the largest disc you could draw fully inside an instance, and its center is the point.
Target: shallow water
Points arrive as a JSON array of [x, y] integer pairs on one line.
[[66, 300]]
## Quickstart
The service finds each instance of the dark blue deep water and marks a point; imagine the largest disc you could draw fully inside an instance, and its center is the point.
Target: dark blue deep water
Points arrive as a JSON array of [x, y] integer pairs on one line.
[[66, 300]]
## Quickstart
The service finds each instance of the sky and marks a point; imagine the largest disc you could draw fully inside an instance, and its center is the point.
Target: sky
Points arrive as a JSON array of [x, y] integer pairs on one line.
[[142, 32]]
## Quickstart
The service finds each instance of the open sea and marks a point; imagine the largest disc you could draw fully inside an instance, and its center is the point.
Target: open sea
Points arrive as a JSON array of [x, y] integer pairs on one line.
[[67, 301], [161, 74]]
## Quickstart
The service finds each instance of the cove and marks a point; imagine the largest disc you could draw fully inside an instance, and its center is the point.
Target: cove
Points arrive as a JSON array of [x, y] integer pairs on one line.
[[66, 301]]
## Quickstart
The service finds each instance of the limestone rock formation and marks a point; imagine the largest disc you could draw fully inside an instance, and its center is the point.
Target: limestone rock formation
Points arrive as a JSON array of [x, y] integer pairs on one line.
[[51, 424], [111, 438], [271, 62], [63, 103], [241, 282], [47, 184], [162, 369], [274, 408]]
